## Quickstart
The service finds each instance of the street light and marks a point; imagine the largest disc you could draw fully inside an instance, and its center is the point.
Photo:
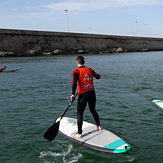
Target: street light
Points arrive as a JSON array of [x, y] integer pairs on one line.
[[67, 19], [136, 27]]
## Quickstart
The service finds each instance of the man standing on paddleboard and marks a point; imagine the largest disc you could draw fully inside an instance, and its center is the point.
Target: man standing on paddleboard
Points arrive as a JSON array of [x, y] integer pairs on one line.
[[2, 69], [83, 77]]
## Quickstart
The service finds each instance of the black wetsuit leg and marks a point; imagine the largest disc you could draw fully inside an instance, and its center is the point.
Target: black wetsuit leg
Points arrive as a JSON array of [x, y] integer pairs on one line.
[[92, 106], [89, 97]]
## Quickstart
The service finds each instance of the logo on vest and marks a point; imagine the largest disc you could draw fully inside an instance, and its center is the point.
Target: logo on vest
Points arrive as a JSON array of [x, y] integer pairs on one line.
[[87, 77], [88, 86]]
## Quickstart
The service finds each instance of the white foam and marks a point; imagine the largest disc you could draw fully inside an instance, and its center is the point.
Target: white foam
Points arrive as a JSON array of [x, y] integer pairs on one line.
[[53, 154], [73, 159], [130, 158]]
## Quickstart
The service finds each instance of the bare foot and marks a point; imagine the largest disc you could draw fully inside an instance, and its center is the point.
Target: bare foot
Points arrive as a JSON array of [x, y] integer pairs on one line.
[[78, 136], [99, 128]]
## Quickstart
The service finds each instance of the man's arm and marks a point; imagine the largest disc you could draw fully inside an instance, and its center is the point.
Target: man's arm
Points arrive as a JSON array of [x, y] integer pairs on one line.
[[75, 76], [97, 76]]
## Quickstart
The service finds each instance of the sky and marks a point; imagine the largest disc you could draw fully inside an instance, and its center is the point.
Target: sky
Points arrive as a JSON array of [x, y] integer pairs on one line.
[[110, 17]]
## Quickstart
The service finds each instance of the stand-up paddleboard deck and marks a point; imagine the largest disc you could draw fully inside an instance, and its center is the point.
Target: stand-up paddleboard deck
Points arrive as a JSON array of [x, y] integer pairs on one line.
[[12, 70], [158, 103], [99, 140]]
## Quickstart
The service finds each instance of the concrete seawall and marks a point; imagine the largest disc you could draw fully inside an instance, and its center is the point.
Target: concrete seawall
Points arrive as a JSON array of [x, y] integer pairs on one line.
[[34, 43]]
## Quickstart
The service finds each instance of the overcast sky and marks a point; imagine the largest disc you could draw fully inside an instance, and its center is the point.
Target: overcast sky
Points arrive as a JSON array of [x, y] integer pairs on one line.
[[111, 17]]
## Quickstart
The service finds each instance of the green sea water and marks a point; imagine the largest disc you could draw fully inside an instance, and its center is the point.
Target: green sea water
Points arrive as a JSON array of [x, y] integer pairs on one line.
[[32, 98]]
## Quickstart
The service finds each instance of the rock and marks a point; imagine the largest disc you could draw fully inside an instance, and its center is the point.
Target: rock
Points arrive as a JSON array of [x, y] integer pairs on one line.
[[32, 52], [80, 51], [57, 51], [119, 50], [6, 54], [47, 53], [2, 54], [144, 50]]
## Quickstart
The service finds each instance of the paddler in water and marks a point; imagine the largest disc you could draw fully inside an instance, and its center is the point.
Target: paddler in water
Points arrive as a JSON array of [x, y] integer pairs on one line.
[[2, 69], [83, 77]]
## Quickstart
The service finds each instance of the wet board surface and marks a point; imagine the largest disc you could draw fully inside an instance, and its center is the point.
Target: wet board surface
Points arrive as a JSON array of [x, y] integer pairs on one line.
[[99, 140], [158, 103]]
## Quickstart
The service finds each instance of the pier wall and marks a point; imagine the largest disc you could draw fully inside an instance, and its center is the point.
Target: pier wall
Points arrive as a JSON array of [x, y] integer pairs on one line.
[[34, 43]]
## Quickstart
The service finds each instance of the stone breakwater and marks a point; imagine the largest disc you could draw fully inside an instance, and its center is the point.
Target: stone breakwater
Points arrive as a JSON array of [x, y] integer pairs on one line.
[[37, 43]]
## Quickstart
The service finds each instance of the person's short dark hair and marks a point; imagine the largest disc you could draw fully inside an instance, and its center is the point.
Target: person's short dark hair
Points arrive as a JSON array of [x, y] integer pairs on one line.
[[80, 60]]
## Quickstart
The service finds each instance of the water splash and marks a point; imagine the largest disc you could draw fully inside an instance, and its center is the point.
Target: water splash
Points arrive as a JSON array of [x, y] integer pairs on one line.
[[130, 158], [68, 159], [53, 154], [73, 159]]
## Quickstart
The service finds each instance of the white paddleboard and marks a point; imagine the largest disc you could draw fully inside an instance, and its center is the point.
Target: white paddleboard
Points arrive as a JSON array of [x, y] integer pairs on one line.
[[158, 103], [99, 140]]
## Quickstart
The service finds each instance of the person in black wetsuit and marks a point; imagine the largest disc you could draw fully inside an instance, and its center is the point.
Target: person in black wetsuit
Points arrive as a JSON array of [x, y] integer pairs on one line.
[[83, 77]]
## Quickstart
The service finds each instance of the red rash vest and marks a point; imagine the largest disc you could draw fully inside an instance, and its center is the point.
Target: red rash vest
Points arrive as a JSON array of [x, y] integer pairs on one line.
[[84, 77]]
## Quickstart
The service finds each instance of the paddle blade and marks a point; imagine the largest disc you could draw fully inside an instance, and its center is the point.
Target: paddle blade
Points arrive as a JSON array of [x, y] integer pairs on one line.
[[51, 133]]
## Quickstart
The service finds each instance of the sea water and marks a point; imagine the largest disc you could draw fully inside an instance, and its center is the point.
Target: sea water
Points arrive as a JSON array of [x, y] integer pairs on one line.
[[32, 98]]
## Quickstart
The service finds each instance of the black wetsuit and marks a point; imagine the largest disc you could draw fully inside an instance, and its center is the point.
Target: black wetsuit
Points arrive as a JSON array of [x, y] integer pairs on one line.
[[84, 98]]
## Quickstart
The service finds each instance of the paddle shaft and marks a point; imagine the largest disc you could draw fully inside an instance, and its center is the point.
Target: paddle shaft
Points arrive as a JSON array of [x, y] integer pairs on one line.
[[67, 108]]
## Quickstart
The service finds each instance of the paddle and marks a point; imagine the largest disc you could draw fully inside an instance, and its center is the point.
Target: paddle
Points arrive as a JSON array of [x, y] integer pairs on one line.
[[51, 133]]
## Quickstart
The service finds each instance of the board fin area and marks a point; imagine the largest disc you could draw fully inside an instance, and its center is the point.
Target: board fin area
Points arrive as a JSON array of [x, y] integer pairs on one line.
[[119, 146]]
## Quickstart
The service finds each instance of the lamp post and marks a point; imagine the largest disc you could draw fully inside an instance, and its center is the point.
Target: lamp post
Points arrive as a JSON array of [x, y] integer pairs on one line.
[[137, 28], [67, 19]]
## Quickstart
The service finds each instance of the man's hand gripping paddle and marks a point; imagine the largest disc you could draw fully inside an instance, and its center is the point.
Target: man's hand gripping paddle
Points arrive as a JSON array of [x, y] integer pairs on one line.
[[51, 133]]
